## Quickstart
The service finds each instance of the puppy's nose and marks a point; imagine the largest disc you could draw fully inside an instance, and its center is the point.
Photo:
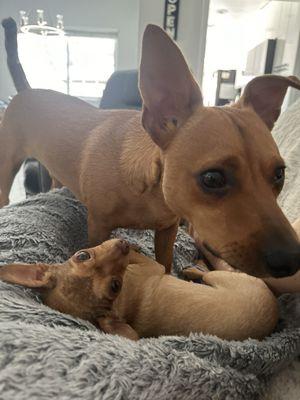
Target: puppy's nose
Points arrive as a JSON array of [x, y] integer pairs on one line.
[[124, 246], [283, 263]]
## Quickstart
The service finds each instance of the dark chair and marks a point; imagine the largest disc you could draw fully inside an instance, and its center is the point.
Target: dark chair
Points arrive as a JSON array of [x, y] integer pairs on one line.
[[121, 92]]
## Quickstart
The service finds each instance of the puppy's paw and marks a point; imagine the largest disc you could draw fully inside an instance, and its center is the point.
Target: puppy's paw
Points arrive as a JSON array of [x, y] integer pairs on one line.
[[195, 273], [135, 247]]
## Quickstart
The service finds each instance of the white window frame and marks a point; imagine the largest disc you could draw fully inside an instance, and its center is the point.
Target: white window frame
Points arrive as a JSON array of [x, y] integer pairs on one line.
[[111, 34]]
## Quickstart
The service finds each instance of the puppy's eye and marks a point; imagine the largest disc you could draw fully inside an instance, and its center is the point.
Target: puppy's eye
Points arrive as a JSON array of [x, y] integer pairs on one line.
[[279, 176], [115, 285], [212, 180], [82, 256]]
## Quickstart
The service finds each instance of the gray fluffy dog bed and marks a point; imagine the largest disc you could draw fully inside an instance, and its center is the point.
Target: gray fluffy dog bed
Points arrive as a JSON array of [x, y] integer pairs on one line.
[[46, 355]]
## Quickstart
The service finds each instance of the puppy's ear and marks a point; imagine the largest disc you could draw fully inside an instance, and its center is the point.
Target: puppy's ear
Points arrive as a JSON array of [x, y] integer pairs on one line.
[[169, 91], [115, 326], [265, 94], [29, 275]]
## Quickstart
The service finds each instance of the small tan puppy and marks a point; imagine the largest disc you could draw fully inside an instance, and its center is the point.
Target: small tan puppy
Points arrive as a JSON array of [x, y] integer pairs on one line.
[[216, 167], [230, 305], [85, 286]]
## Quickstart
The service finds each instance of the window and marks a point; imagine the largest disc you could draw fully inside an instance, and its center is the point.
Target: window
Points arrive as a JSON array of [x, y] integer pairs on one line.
[[78, 64]]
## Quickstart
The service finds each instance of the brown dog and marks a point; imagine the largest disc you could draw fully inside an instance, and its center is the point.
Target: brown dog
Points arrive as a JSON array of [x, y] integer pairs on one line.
[[230, 305], [85, 286], [217, 167]]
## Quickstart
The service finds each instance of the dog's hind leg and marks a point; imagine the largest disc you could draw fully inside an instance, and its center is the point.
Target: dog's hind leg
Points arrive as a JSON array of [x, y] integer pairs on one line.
[[8, 171], [11, 158]]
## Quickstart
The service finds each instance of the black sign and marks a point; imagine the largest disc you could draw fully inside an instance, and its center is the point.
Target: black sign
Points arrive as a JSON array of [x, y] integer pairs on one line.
[[171, 17]]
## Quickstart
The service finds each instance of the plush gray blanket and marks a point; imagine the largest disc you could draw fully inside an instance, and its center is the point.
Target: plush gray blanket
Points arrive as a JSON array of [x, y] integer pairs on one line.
[[45, 354], [287, 136]]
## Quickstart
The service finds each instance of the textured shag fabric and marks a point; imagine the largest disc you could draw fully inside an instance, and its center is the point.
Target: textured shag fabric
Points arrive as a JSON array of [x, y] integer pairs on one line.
[[45, 354], [286, 384], [287, 136]]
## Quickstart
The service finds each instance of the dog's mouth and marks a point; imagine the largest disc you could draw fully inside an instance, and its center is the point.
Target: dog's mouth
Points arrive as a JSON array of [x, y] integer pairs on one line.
[[213, 259], [209, 249]]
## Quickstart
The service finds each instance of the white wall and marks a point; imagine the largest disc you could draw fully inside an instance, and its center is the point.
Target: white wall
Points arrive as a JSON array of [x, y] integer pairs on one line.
[[120, 15], [228, 46], [230, 38], [129, 17], [192, 24]]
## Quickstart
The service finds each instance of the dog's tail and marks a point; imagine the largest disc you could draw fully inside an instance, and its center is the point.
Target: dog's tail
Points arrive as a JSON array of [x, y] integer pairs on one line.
[[11, 45]]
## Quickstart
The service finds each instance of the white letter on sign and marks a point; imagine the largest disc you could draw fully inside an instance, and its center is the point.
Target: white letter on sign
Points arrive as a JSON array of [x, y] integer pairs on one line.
[[170, 22], [171, 8]]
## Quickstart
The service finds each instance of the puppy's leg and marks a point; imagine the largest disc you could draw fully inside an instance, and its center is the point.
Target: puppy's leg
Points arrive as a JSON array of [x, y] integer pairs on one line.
[[164, 242]]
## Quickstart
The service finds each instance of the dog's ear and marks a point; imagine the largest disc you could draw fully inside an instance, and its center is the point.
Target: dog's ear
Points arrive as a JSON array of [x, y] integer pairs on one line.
[[265, 94], [29, 275], [112, 324], [169, 91]]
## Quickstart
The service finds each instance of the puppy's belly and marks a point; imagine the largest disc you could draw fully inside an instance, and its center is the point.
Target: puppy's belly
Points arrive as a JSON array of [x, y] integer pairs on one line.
[[234, 308]]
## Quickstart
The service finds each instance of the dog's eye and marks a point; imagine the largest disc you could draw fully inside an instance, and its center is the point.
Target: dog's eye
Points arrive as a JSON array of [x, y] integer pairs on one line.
[[116, 285], [82, 256], [279, 175], [213, 180]]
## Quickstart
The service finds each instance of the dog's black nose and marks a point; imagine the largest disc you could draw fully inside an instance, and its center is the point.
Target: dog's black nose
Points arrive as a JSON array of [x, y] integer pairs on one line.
[[283, 263]]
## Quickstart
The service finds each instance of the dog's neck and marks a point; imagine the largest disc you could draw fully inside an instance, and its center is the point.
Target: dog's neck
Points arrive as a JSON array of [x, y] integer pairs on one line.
[[142, 162]]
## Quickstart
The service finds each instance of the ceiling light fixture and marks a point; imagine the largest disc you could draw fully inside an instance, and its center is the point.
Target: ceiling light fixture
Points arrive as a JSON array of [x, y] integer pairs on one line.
[[41, 27]]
